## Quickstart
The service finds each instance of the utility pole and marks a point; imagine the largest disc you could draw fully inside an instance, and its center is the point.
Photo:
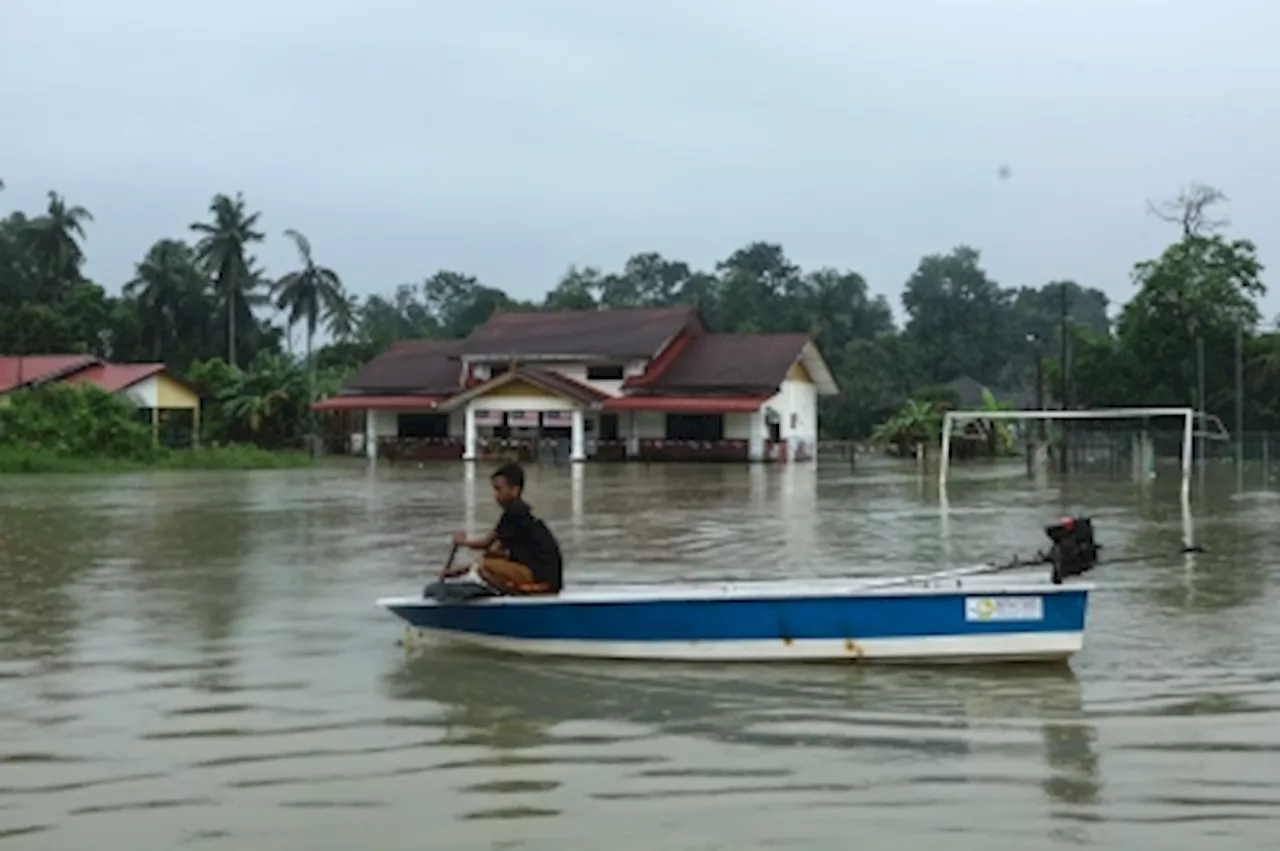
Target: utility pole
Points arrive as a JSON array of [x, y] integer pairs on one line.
[[1200, 399], [1239, 400], [1062, 390], [1034, 450]]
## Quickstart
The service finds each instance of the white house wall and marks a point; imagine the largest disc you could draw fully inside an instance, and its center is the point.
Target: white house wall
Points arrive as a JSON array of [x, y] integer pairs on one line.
[[385, 423], [799, 398], [145, 394], [649, 425], [522, 403], [738, 426]]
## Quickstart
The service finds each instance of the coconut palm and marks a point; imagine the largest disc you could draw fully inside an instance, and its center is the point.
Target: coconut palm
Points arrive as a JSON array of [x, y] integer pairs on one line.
[[344, 318], [222, 251], [310, 294], [170, 290], [54, 240]]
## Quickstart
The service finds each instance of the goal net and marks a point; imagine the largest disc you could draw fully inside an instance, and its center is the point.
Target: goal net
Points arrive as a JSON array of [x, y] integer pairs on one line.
[[1186, 415]]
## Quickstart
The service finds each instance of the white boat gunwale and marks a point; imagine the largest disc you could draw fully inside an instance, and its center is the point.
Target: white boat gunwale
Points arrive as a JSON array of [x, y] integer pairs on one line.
[[764, 590]]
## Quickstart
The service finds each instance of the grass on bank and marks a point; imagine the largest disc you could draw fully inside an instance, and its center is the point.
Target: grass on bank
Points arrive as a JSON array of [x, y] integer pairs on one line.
[[234, 456]]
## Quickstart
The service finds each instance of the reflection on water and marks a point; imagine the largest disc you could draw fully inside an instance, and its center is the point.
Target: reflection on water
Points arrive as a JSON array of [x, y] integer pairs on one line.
[[195, 658]]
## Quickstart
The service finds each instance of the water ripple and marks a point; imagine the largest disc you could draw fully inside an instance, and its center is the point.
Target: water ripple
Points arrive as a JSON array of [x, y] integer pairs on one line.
[[187, 653]]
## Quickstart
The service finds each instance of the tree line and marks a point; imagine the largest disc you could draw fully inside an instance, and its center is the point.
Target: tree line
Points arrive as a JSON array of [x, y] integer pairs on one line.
[[201, 302]]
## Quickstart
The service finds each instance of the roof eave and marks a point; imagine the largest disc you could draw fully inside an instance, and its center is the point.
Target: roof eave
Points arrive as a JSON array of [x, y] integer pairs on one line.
[[506, 357], [815, 364]]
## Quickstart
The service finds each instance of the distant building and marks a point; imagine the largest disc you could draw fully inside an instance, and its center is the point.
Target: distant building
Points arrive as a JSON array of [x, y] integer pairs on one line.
[[638, 383], [148, 386]]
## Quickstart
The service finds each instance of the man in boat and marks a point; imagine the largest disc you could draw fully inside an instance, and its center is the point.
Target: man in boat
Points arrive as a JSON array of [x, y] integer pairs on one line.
[[521, 556]]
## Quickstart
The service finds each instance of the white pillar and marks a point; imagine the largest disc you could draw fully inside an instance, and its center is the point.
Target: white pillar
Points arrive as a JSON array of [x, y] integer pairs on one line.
[[469, 497], [633, 435], [469, 433], [576, 526], [944, 455], [755, 437], [576, 433], [370, 436]]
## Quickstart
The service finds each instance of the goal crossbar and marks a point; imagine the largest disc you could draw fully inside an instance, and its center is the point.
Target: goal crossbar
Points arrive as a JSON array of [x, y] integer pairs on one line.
[[1188, 415]]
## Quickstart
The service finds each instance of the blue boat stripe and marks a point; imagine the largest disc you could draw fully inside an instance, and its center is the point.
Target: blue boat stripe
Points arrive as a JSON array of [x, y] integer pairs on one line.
[[858, 618]]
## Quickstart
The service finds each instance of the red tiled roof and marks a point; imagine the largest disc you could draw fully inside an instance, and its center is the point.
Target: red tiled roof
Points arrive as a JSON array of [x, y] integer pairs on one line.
[[659, 364], [687, 404], [114, 377], [615, 333], [377, 403], [742, 362], [19, 370], [410, 367]]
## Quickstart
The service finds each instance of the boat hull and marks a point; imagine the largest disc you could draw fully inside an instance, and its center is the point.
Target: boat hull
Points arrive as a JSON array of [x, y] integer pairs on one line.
[[968, 622]]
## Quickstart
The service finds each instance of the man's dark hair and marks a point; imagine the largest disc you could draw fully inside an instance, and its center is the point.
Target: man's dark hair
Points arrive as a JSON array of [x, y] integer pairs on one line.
[[513, 473]]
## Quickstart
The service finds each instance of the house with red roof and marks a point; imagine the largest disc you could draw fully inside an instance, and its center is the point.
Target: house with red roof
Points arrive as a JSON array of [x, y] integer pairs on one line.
[[634, 383], [149, 386]]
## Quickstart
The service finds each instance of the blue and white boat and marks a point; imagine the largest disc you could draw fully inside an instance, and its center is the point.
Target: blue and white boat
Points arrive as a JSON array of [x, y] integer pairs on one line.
[[933, 618], [978, 614]]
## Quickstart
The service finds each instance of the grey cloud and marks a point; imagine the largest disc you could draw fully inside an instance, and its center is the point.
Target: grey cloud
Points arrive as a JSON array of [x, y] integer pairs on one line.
[[510, 139]]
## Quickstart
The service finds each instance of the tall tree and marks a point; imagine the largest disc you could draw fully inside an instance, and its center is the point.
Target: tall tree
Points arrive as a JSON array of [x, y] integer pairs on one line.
[[460, 303], [172, 299], [222, 251], [309, 295], [54, 240], [958, 318]]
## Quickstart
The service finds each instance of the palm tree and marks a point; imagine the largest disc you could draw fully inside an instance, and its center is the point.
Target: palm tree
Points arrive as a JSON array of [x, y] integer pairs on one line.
[[344, 318], [167, 284], [221, 251], [310, 294], [54, 239]]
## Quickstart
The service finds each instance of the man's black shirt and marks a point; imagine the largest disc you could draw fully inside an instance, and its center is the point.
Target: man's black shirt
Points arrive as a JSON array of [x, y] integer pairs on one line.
[[531, 544]]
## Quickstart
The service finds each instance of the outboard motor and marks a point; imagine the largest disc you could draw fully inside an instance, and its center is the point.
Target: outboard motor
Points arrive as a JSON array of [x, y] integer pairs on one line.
[[1074, 551]]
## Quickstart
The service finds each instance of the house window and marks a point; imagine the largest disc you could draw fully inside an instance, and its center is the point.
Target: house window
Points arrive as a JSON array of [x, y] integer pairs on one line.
[[695, 427], [795, 421], [422, 425], [605, 372], [608, 426]]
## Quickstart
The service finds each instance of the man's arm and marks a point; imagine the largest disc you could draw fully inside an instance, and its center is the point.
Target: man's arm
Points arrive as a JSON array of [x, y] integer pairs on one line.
[[483, 543]]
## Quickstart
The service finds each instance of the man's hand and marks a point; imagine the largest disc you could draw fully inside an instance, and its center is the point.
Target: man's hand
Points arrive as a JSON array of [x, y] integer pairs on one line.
[[459, 539]]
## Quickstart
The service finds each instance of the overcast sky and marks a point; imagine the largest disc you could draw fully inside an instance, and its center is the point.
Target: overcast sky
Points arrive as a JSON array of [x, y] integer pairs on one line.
[[511, 138]]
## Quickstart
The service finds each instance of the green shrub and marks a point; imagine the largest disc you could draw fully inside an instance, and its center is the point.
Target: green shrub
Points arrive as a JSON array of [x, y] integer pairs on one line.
[[25, 459], [75, 420]]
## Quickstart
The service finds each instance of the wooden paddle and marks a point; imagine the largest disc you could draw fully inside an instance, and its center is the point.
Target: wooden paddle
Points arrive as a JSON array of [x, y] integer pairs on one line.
[[448, 564], [426, 592]]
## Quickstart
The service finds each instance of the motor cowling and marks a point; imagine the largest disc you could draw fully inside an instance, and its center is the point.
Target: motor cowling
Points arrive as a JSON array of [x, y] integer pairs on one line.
[[1074, 551]]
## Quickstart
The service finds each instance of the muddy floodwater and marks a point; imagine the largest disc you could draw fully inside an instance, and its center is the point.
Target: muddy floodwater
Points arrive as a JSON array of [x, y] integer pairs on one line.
[[194, 660]]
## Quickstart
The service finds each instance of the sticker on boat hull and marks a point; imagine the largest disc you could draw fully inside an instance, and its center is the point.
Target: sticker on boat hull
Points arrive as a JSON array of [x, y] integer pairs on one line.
[[1003, 608]]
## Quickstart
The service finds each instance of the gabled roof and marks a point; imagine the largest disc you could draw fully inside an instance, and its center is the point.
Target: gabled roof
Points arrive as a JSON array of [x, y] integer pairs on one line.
[[552, 382], [20, 370], [619, 333], [735, 364], [409, 367], [114, 377]]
